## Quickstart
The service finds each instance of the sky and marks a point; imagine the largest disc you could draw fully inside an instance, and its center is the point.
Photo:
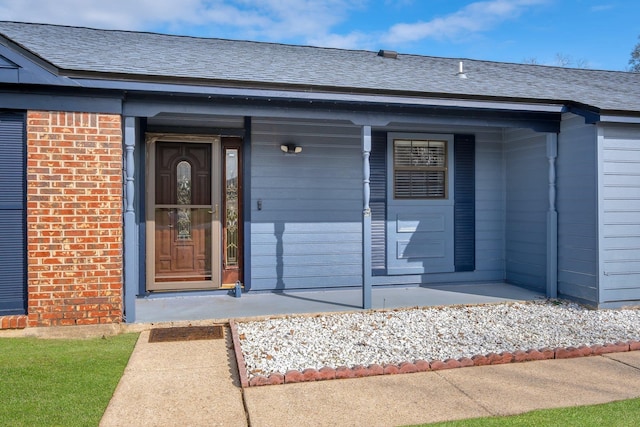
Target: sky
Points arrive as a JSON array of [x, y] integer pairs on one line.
[[596, 34]]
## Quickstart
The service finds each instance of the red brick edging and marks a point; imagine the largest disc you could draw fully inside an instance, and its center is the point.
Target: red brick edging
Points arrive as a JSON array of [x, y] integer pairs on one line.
[[242, 367], [359, 371], [17, 321]]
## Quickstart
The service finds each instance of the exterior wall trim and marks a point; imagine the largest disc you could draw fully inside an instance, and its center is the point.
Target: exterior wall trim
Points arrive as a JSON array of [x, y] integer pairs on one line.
[[552, 219], [600, 213], [366, 219], [131, 252]]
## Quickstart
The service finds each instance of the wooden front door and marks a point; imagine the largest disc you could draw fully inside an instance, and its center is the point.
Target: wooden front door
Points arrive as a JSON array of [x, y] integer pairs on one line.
[[194, 214]]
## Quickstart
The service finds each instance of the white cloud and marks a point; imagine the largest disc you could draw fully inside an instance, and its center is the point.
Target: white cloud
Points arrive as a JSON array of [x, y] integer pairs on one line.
[[473, 18], [114, 14], [354, 40], [293, 21], [264, 19]]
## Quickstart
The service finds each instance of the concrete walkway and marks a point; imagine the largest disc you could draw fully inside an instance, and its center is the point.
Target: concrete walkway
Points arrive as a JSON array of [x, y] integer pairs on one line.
[[195, 383], [185, 383]]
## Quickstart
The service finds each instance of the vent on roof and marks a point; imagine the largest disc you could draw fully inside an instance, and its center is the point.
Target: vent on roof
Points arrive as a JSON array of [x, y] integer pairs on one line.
[[388, 54], [461, 74]]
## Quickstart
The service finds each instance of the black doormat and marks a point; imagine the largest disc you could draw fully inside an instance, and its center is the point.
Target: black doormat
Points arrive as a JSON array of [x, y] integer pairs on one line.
[[187, 333]]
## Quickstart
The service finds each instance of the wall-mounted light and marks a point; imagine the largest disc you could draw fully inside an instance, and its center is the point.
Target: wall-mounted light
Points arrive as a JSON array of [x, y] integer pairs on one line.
[[291, 149]]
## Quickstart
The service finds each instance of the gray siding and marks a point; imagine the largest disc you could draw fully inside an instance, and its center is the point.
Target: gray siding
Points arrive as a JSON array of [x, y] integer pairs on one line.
[[490, 215], [619, 151], [420, 237], [527, 203], [577, 209], [308, 232]]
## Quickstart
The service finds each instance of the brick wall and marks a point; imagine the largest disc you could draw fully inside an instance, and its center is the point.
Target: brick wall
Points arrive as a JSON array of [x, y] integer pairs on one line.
[[74, 220]]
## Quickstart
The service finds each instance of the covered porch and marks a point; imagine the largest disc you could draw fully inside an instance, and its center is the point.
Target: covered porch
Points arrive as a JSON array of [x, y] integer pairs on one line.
[[324, 230], [193, 307]]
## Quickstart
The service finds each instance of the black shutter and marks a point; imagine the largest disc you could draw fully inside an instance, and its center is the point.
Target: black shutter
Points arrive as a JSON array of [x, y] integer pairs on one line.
[[465, 201], [378, 202], [12, 215]]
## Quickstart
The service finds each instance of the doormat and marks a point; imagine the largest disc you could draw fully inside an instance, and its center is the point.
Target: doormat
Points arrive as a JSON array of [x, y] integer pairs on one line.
[[187, 333]]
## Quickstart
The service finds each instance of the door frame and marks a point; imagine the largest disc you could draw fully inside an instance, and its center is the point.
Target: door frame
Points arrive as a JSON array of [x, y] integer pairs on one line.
[[216, 200], [232, 274]]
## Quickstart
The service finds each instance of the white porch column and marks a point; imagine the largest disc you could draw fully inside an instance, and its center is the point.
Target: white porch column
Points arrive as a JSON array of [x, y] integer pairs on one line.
[[366, 219], [552, 219]]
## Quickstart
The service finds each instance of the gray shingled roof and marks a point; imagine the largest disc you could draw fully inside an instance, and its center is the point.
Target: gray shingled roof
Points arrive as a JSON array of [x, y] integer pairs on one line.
[[78, 50]]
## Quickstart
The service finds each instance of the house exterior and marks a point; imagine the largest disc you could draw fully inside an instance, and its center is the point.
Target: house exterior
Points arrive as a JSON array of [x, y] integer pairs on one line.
[[137, 164]]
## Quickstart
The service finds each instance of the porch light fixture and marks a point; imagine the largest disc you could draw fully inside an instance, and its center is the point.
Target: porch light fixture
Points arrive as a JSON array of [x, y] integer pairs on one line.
[[291, 149]]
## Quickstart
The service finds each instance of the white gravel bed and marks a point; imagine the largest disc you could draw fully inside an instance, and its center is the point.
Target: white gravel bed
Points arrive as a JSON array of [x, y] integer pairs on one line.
[[434, 333]]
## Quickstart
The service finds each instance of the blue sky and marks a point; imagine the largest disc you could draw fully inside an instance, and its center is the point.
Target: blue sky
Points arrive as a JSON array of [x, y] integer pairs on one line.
[[598, 34]]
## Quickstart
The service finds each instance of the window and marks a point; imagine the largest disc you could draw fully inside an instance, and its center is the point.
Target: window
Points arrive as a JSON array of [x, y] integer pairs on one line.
[[420, 169]]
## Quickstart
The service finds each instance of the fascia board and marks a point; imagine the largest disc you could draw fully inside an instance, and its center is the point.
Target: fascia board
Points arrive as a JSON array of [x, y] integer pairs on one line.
[[217, 91]]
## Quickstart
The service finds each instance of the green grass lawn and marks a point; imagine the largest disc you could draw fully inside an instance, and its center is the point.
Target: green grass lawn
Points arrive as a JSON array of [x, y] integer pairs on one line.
[[622, 413], [60, 382]]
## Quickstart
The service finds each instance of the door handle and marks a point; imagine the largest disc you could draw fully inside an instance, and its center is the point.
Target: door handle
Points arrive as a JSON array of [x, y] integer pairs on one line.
[[214, 211]]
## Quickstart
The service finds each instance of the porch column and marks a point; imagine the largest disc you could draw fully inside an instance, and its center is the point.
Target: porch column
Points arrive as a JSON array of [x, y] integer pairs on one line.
[[131, 260], [366, 219], [552, 219]]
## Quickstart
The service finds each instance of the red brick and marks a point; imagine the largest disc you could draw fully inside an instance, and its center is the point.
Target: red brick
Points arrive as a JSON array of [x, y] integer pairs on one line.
[[546, 353], [293, 377], [375, 369], [520, 356], [567, 353], [634, 345], [360, 371], [465, 362], [391, 369], [344, 372], [72, 191], [610, 348], [499, 359], [585, 350], [310, 374], [478, 360], [276, 378], [422, 365], [326, 373], [22, 322], [439, 365], [259, 380], [407, 368]]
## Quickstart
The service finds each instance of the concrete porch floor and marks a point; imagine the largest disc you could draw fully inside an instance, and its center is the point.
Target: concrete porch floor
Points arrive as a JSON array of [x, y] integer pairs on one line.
[[222, 307]]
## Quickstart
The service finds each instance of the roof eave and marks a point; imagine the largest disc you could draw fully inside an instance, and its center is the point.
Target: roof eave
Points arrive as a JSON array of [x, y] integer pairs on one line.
[[309, 93]]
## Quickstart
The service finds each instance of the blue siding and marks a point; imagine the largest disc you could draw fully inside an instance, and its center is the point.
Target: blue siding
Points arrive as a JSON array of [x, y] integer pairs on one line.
[[490, 205], [12, 215], [527, 202], [308, 232], [489, 211], [577, 209], [419, 231], [620, 221]]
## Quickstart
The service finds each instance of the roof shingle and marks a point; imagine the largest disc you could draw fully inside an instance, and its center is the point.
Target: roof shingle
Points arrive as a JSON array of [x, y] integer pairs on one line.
[[138, 54]]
